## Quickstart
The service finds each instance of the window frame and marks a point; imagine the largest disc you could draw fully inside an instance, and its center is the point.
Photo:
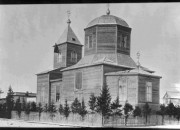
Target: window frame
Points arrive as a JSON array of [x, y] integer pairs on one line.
[[89, 47], [74, 56], [59, 57], [76, 89], [148, 91], [122, 90], [57, 94]]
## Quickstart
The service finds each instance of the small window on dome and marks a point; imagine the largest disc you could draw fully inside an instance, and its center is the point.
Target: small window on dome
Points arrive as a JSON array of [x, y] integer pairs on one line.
[[73, 39], [90, 41]]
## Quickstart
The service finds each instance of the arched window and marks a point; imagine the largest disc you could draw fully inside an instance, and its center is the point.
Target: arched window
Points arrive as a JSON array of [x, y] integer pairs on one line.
[[73, 56]]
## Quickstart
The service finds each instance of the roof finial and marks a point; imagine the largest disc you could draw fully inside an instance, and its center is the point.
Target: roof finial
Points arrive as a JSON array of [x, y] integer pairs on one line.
[[108, 11], [68, 14], [138, 57]]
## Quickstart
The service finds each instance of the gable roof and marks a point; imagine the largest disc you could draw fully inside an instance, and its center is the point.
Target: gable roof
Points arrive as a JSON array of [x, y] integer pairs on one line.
[[119, 60], [68, 36], [49, 71], [138, 70], [172, 94]]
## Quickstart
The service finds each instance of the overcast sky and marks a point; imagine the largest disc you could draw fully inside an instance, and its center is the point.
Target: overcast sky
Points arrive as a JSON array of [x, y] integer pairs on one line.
[[28, 32]]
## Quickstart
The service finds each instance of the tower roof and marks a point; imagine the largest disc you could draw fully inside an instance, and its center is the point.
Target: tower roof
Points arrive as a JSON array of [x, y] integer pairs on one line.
[[107, 19], [68, 36]]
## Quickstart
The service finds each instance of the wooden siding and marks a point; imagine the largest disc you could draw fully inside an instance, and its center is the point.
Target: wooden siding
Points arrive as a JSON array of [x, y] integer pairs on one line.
[[53, 90], [62, 48], [77, 49], [90, 32], [142, 89], [91, 83], [106, 39], [131, 85], [43, 88]]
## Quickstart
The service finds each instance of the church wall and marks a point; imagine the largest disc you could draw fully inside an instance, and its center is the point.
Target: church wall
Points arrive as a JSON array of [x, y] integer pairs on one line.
[[131, 85], [90, 32], [77, 49], [62, 48], [106, 39], [142, 89], [43, 88], [56, 86], [91, 83]]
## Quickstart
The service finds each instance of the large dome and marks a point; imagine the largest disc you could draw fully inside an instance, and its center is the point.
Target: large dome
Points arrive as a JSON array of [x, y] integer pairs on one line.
[[107, 19]]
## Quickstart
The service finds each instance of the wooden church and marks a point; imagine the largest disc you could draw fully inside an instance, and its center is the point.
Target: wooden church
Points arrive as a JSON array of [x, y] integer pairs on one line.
[[106, 60]]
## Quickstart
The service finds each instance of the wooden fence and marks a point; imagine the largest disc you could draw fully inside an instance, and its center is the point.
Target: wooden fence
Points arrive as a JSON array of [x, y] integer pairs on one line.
[[73, 119], [95, 119]]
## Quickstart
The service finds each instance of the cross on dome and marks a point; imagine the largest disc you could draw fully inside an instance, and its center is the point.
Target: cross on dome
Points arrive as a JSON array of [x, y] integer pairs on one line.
[[108, 11], [138, 57], [68, 14]]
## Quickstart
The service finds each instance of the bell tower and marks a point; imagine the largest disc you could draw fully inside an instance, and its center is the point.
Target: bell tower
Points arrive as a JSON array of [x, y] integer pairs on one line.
[[68, 49]]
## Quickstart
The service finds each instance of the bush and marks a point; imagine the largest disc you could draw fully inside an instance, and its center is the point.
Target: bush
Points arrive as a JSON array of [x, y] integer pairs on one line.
[[103, 103], [75, 106], [92, 103], [137, 111], [61, 110], [128, 108], [66, 109], [39, 109], [52, 109], [82, 110], [115, 107]]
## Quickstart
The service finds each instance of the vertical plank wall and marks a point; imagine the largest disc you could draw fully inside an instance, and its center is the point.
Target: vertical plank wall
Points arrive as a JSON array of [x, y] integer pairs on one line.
[[91, 83], [43, 88], [155, 91]]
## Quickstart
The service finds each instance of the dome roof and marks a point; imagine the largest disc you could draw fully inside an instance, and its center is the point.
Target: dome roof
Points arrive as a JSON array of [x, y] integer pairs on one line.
[[107, 19]]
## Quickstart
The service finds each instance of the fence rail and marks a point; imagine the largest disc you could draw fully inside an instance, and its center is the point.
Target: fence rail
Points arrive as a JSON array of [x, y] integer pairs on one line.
[[95, 119]]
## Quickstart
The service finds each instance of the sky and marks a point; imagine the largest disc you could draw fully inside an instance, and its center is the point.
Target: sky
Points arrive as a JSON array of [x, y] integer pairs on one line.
[[28, 32]]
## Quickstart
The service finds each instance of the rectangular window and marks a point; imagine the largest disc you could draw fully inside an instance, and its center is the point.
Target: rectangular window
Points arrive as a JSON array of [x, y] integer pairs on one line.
[[78, 80], [122, 93], [90, 44], [122, 90], [57, 93], [149, 91], [73, 56], [59, 57]]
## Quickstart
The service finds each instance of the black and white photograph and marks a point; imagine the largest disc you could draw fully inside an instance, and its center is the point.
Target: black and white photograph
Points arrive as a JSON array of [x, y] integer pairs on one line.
[[105, 65]]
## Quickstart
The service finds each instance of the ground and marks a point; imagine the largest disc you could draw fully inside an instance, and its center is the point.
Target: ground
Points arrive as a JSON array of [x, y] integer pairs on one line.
[[21, 123]]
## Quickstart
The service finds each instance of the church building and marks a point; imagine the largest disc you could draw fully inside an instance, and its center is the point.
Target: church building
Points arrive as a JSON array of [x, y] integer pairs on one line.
[[106, 61]]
